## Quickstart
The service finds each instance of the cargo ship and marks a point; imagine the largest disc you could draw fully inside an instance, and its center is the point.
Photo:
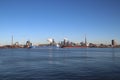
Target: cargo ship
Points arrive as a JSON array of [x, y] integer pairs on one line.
[[46, 46], [74, 47]]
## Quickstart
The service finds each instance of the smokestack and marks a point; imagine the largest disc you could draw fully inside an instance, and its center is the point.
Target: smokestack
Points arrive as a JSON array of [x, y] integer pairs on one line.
[[85, 41], [12, 41]]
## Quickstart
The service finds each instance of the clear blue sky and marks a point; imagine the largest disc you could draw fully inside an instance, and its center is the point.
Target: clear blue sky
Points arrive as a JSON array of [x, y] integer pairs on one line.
[[37, 20]]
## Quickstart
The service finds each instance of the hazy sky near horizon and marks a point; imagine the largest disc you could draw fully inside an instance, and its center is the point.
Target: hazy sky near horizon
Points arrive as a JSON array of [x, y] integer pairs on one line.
[[38, 20]]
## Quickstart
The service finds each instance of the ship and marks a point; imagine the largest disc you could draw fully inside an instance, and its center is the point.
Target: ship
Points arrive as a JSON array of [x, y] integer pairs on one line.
[[52, 44], [74, 47], [46, 47]]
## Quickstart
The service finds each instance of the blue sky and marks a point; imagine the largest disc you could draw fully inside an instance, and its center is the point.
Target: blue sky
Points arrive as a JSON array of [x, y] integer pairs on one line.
[[38, 20]]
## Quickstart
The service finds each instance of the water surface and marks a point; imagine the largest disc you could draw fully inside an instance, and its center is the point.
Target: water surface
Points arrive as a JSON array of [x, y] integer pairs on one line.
[[60, 64]]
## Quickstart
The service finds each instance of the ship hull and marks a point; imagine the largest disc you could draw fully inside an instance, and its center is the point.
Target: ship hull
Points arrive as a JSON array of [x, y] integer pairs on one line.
[[74, 47]]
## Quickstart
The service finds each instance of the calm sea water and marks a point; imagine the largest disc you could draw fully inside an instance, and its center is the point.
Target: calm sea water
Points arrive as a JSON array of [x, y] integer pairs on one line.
[[60, 64]]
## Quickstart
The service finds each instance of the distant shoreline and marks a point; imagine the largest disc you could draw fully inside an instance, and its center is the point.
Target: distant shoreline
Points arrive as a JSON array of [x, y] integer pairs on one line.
[[15, 47]]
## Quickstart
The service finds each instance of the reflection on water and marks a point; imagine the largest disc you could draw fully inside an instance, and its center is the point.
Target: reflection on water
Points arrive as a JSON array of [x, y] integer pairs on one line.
[[60, 64]]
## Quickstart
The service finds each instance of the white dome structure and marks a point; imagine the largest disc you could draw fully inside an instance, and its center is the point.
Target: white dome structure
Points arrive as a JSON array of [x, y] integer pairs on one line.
[[50, 40]]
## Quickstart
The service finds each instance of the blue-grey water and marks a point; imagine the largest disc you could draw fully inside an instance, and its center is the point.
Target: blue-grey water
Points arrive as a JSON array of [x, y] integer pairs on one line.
[[60, 64]]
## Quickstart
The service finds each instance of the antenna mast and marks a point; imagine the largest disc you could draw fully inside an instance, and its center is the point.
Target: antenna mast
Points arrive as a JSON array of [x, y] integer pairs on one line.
[[12, 41]]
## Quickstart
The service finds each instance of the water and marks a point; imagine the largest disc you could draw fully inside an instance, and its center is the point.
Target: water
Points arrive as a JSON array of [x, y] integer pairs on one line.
[[60, 64]]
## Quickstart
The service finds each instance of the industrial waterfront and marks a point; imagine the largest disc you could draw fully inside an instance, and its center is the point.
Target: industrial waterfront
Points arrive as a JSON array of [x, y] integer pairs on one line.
[[62, 44], [59, 40]]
